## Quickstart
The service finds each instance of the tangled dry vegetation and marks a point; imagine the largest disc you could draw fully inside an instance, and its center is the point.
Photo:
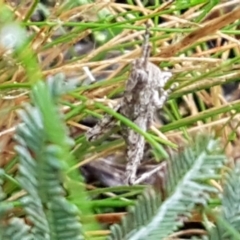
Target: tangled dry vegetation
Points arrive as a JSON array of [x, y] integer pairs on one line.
[[93, 44]]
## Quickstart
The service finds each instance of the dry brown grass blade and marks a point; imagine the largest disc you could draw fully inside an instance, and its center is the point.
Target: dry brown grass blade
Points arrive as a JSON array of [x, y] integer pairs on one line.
[[209, 28], [107, 217]]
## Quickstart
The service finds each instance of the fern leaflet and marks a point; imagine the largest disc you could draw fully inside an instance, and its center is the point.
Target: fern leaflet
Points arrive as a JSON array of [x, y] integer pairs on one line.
[[186, 185]]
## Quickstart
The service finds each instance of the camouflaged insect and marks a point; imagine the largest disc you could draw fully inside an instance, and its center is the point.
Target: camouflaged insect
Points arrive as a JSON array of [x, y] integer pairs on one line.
[[144, 94]]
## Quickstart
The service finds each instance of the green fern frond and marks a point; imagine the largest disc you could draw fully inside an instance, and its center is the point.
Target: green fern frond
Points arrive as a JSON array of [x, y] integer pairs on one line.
[[187, 185], [44, 149], [145, 208], [14, 228], [228, 223], [231, 198], [17, 229]]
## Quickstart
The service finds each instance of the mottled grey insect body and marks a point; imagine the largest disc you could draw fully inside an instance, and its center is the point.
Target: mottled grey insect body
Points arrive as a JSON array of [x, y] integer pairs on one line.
[[144, 93]]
